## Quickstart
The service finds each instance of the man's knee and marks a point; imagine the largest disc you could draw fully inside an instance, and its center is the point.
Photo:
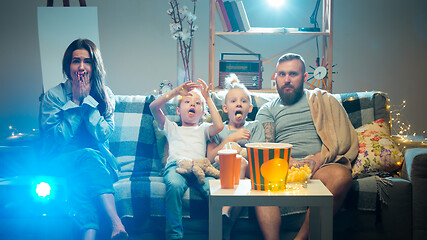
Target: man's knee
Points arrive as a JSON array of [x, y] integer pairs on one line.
[[335, 176]]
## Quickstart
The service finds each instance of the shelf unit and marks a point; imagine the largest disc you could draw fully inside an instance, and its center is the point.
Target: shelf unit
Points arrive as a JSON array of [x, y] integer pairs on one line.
[[326, 34]]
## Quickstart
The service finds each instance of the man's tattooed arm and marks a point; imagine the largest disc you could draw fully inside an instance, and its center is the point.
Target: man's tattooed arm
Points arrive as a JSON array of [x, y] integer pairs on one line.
[[269, 132]]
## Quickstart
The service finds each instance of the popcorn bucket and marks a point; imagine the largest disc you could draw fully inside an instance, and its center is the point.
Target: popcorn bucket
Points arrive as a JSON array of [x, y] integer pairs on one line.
[[269, 165]]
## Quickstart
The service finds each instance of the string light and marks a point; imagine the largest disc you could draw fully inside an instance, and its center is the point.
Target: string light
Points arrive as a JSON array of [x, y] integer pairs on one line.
[[399, 124], [16, 134], [14, 131]]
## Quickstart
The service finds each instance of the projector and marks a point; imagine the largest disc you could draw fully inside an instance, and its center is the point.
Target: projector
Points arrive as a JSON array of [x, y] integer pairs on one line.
[[28, 196]]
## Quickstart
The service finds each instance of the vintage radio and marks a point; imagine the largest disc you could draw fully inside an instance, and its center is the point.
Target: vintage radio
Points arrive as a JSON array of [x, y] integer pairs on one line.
[[249, 72]]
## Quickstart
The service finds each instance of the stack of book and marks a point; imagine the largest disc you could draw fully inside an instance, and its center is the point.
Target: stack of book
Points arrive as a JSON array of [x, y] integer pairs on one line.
[[232, 15]]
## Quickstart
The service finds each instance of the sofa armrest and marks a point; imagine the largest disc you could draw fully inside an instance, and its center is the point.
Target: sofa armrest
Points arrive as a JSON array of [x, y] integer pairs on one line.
[[409, 142], [415, 160], [415, 170]]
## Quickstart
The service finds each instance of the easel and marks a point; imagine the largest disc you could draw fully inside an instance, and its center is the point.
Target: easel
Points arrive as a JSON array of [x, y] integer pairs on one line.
[[66, 3], [49, 5]]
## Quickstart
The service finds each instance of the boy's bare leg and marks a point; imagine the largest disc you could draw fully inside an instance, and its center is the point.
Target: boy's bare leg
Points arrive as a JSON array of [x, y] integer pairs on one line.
[[226, 210], [109, 205], [269, 221]]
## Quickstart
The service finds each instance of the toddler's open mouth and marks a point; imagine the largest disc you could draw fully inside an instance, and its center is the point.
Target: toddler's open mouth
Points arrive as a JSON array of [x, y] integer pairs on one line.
[[238, 114]]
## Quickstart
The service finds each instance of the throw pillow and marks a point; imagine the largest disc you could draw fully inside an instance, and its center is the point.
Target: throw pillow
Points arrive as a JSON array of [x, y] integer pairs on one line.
[[377, 152]]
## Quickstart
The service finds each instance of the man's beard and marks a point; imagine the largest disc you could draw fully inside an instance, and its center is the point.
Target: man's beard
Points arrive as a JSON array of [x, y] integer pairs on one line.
[[292, 97]]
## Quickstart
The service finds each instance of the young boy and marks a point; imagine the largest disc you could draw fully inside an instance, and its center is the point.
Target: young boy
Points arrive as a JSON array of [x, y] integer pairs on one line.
[[237, 105], [185, 142]]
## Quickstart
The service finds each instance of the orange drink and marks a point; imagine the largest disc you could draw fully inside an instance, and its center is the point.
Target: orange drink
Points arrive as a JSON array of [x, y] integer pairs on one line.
[[237, 166], [227, 161]]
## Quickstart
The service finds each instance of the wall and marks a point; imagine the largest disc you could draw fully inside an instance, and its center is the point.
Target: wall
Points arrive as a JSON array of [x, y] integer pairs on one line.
[[378, 45]]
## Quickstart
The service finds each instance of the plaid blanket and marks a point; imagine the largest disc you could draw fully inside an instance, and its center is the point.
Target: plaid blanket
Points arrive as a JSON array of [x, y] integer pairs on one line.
[[140, 189]]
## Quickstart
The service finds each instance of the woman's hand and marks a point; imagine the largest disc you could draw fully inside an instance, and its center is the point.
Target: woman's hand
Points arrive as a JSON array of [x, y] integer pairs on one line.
[[81, 86]]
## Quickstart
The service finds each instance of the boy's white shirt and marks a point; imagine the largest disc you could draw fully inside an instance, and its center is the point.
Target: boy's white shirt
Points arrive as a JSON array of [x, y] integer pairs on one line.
[[186, 142]]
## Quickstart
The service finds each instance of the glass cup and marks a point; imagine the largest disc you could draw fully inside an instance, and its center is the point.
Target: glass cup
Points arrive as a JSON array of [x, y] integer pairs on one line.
[[227, 161]]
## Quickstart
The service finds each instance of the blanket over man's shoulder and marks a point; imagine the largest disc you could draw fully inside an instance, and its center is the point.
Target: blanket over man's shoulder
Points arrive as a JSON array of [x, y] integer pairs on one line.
[[340, 141]]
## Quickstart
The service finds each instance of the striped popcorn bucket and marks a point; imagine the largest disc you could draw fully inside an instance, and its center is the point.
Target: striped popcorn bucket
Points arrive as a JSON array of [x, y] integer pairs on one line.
[[269, 164]]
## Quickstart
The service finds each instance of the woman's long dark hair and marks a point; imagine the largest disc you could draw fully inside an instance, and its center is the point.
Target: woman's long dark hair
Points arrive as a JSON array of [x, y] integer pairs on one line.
[[98, 90]]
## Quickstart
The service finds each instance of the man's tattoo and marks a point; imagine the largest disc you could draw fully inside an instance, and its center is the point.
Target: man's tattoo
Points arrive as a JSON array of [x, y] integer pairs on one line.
[[269, 132]]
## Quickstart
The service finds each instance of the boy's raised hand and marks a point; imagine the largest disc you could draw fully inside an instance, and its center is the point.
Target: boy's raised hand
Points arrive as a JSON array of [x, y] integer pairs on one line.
[[204, 89], [185, 88], [217, 125]]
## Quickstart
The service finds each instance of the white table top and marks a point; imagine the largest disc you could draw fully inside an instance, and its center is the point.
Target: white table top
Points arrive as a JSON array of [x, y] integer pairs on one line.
[[314, 188]]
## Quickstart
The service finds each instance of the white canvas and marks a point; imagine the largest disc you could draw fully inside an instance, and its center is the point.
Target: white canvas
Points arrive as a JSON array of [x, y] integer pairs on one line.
[[58, 27]]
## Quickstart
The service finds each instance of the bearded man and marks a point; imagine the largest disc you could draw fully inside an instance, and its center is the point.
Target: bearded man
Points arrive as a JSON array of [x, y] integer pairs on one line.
[[317, 126]]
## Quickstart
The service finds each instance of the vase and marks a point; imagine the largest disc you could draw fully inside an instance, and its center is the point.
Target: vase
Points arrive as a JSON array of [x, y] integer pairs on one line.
[[182, 74], [184, 69]]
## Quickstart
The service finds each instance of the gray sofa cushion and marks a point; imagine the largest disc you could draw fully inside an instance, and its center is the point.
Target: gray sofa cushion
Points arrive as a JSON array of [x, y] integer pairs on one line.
[[364, 107], [133, 140]]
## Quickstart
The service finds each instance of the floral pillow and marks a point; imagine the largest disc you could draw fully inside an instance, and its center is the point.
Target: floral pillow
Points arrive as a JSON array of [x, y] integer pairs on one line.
[[377, 152]]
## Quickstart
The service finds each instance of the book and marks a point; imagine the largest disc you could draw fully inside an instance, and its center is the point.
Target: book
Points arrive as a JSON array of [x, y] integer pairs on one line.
[[231, 16], [267, 30], [224, 15], [244, 17], [237, 16], [221, 17]]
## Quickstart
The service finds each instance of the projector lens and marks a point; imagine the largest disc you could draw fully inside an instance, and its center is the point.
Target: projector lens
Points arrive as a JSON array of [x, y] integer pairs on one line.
[[43, 189]]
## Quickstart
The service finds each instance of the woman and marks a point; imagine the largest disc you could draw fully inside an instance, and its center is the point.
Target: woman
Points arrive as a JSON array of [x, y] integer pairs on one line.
[[76, 121]]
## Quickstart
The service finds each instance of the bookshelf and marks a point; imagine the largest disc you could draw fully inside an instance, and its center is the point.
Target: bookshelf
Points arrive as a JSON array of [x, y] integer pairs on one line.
[[326, 35]]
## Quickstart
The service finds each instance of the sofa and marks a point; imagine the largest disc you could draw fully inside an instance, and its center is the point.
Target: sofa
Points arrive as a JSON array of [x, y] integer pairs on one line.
[[380, 204]]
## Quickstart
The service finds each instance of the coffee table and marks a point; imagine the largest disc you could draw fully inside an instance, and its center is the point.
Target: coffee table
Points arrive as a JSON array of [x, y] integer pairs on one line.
[[315, 195]]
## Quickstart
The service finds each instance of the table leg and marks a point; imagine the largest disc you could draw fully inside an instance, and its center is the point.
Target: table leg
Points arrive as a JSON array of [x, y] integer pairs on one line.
[[327, 222], [215, 220], [315, 223], [321, 221]]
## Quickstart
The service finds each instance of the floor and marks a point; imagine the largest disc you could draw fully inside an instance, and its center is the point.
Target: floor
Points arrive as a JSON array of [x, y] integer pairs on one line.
[[37, 228]]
